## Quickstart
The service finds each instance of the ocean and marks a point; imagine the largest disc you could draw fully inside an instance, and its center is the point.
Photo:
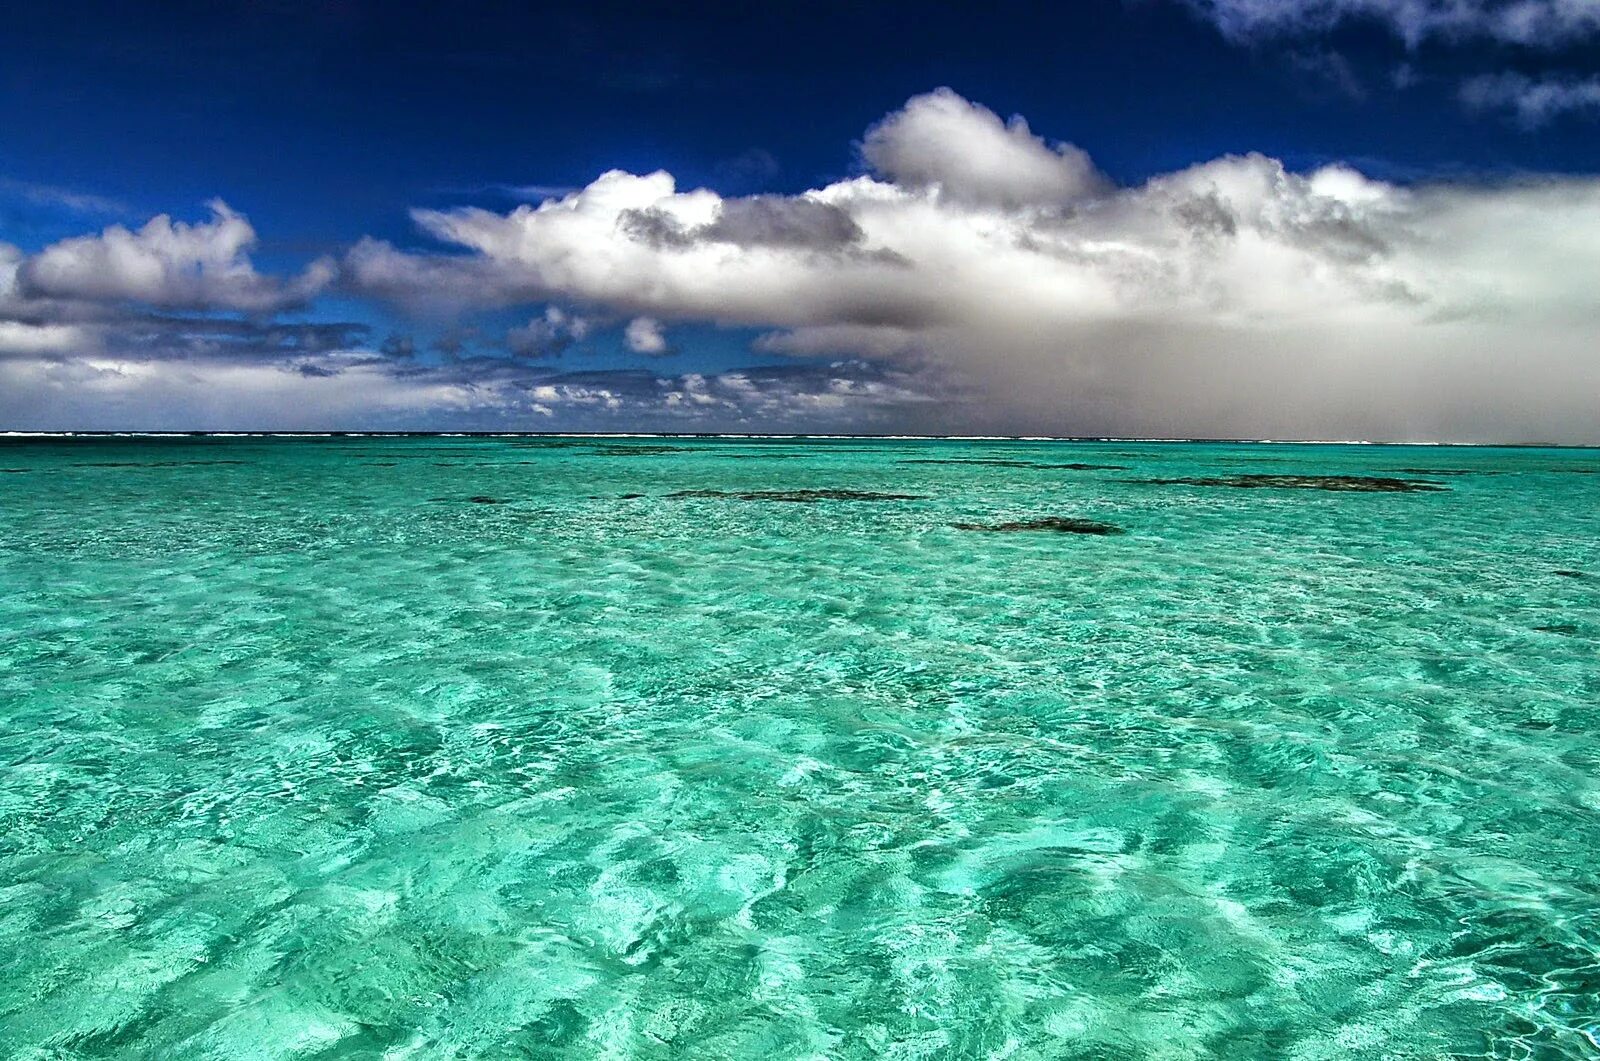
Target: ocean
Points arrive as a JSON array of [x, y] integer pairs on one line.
[[489, 747]]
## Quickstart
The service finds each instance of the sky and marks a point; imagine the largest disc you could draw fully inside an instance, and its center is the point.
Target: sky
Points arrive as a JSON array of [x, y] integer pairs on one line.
[[1329, 219]]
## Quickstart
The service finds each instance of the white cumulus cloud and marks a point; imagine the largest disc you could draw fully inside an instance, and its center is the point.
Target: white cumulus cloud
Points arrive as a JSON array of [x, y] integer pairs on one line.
[[20, 337], [172, 264], [644, 335], [940, 140]]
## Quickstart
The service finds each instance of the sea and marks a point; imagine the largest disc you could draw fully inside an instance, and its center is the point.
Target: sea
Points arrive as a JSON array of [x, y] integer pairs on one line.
[[418, 747]]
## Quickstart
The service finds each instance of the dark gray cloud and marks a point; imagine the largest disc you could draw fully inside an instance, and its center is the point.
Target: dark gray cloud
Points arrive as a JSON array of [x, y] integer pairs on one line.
[[657, 228], [779, 221], [455, 341], [757, 221], [548, 335], [399, 345], [1206, 216]]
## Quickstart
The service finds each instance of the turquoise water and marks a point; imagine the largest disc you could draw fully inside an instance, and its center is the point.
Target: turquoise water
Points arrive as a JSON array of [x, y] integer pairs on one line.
[[304, 754]]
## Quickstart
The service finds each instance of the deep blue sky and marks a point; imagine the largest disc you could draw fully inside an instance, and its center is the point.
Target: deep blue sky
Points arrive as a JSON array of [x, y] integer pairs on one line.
[[329, 122], [326, 121]]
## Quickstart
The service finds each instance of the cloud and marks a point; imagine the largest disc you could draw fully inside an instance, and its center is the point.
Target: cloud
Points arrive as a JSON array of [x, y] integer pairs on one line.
[[756, 221], [1533, 102], [1233, 297], [534, 192], [1532, 23], [643, 335], [835, 339], [27, 329], [839, 395], [1545, 25], [11, 259], [776, 221], [173, 265], [399, 345], [548, 335], [942, 141], [122, 392], [84, 356], [38, 326], [359, 390], [17, 337], [637, 246], [58, 198], [81, 363], [977, 278]]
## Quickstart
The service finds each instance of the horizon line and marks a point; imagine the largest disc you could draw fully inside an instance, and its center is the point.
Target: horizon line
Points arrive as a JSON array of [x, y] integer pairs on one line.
[[856, 436]]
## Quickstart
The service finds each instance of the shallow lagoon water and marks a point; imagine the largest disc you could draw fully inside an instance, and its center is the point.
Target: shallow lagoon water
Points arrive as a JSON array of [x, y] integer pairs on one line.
[[304, 753]]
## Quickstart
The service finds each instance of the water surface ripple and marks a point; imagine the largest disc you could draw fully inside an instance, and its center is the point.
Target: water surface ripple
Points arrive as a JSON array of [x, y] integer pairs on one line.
[[483, 748]]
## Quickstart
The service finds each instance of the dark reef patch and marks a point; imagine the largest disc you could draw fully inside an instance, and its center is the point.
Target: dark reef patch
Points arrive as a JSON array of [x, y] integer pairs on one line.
[[1566, 572], [640, 451], [1369, 484], [151, 464], [1077, 467], [801, 496], [588, 447], [997, 463], [414, 452], [991, 462], [1564, 629], [1056, 524], [762, 456], [549, 443]]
